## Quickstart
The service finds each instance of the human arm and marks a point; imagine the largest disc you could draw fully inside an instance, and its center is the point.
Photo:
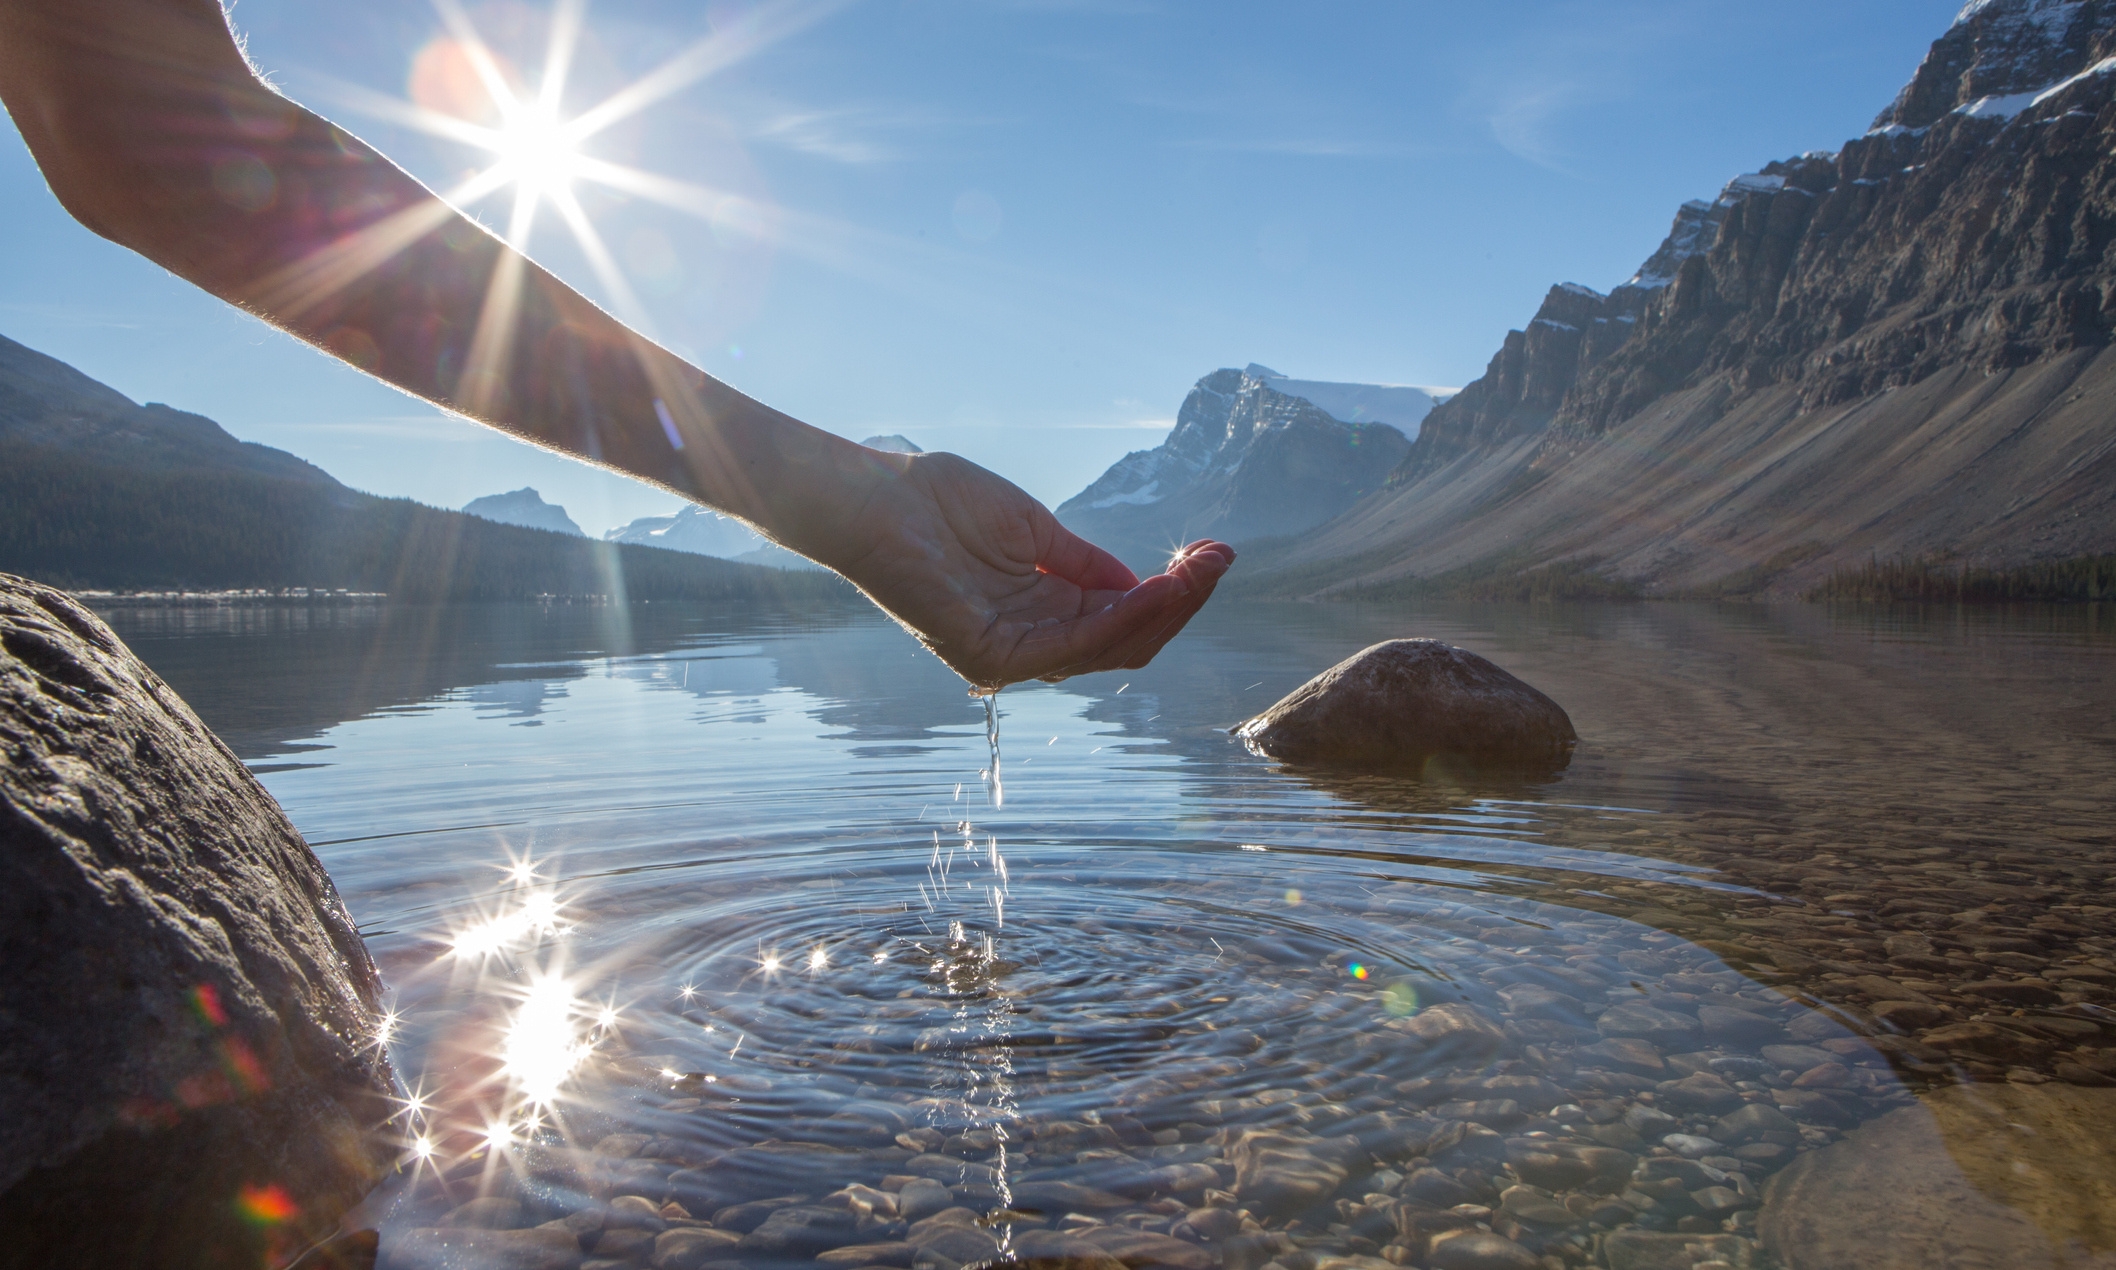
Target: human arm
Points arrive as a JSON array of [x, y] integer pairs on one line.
[[155, 132]]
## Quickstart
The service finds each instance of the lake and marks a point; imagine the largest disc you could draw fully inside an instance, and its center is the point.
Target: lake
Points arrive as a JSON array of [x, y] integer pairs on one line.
[[737, 938]]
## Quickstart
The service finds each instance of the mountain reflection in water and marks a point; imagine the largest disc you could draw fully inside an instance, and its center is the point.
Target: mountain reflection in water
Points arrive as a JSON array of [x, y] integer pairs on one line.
[[732, 957]]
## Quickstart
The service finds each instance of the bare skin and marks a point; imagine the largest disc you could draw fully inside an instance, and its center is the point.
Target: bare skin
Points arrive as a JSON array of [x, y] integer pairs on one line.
[[153, 130]]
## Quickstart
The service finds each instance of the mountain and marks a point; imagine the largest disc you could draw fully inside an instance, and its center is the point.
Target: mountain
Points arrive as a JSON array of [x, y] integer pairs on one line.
[[1401, 406], [1246, 460], [1896, 350], [48, 405], [524, 507], [893, 443], [97, 491], [698, 530]]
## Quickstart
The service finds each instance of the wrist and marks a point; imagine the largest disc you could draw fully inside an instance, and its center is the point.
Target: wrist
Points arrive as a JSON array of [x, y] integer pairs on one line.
[[827, 504]]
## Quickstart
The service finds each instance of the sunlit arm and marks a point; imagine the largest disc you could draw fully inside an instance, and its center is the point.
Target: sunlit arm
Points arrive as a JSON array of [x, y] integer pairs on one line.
[[154, 131]]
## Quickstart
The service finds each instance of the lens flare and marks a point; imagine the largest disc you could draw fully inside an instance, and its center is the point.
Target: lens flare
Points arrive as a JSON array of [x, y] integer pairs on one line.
[[266, 1205], [1358, 971]]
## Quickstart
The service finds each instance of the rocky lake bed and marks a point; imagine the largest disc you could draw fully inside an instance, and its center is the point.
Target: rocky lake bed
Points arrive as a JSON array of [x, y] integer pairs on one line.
[[1802, 962]]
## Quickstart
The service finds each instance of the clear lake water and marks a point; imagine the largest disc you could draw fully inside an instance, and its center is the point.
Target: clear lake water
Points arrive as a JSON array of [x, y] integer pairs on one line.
[[737, 938]]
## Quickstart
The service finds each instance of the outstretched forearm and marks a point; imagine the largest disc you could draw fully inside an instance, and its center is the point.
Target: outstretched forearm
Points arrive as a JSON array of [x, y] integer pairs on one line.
[[155, 132]]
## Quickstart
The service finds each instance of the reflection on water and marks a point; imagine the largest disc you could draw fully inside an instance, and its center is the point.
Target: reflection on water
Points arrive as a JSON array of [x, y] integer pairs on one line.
[[760, 947]]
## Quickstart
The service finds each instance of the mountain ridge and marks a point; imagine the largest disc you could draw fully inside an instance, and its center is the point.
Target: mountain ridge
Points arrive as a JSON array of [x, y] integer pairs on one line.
[[1896, 349], [47, 403], [99, 491], [524, 507]]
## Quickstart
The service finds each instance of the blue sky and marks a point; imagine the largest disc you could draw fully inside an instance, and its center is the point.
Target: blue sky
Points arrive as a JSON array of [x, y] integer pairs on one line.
[[1020, 229]]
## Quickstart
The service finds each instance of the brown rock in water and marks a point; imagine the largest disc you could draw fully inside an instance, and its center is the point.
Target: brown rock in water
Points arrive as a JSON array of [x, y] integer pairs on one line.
[[1479, 1250], [1909, 1016], [1456, 1032], [1407, 700], [458, 1248], [1141, 1248], [1288, 1170], [188, 1015], [2022, 1177]]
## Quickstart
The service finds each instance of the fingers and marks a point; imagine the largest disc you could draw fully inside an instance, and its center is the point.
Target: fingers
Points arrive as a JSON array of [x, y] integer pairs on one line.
[[1126, 632], [1201, 566], [1070, 647], [1069, 556], [1203, 546], [1196, 571]]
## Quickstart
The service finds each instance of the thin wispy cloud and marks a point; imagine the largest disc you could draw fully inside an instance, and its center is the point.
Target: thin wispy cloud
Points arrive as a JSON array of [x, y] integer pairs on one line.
[[855, 134], [1117, 8], [1304, 147], [424, 428], [1537, 89], [826, 134], [69, 317], [1525, 125]]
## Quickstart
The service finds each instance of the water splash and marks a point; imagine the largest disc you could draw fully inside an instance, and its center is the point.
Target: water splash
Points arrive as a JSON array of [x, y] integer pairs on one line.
[[995, 791]]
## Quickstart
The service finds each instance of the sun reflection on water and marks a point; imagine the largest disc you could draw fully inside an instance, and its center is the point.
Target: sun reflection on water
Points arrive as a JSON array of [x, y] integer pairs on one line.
[[536, 916], [544, 1046], [536, 1060]]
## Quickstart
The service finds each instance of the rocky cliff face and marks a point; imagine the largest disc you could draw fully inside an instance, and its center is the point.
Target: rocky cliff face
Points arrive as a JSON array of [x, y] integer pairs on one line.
[[1245, 461], [2002, 48], [1896, 348]]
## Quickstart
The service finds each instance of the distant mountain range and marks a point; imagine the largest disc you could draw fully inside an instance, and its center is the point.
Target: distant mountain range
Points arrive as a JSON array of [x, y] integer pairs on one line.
[[524, 507], [698, 530], [1248, 458], [1899, 350], [98, 491]]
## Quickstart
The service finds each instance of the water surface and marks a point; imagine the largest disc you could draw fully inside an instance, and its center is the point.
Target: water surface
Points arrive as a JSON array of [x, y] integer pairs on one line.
[[713, 909]]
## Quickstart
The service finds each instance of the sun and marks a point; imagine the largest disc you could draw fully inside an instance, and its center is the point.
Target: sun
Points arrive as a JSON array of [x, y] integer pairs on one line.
[[535, 149], [534, 146], [537, 152]]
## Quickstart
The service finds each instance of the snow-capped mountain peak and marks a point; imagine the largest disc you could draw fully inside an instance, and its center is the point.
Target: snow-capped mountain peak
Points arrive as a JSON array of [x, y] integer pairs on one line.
[[1253, 454], [698, 530], [1999, 57], [1401, 406]]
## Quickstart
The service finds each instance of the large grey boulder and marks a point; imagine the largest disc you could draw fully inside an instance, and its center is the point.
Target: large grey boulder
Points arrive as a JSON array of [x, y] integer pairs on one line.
[[190, 1067], [2018, 1176], [1407, 700]]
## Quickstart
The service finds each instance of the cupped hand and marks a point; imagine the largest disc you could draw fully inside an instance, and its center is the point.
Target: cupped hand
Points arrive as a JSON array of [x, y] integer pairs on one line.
[[989, 580]]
